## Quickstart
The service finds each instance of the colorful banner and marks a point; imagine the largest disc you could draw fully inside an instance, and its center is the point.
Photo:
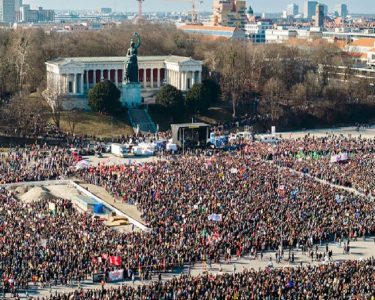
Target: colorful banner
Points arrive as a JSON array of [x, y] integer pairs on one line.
[[117, 275]]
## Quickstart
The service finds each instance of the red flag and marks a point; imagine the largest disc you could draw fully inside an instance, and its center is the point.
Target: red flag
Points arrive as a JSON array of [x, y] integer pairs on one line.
[[115, 260]]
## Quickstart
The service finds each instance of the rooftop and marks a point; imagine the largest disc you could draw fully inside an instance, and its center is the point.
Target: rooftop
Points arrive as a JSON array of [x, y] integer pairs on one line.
[[364, 42], [208, 28], [117, 59], [190, 125]]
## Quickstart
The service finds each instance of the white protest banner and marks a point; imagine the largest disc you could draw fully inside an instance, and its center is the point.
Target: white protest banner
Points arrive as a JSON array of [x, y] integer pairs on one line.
[[215, 217], [273, 130], [117, 275], [339, 157], [52, 206]]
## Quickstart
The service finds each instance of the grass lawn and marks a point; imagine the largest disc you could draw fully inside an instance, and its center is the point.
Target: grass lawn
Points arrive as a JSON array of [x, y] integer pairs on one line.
[[94, 124]]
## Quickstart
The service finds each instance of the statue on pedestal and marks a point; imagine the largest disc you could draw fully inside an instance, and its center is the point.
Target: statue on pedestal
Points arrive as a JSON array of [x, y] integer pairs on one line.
[[131, 88], [131, 70]]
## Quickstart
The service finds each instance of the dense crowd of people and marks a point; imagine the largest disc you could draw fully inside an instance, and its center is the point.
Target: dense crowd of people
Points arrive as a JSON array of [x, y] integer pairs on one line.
[[34, 163], [201, 206], [349, 280], [313, 155]]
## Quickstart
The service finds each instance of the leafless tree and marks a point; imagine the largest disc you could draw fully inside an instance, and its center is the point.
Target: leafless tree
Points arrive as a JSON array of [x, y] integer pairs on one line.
[[24, 115], [73, 117], [54, 101], [20, 52], [234, 72]]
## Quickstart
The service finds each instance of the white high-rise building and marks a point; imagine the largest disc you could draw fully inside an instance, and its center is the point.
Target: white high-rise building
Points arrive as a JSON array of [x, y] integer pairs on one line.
[[17, 10], [342, 10], [7, 11], [292, 9], [309, 9]]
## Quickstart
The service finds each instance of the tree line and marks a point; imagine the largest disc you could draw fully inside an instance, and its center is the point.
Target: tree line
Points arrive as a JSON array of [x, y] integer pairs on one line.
[[291, 85]]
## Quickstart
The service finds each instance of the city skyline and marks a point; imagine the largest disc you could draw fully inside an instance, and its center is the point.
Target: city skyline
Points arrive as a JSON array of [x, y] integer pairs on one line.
[[355, 6]]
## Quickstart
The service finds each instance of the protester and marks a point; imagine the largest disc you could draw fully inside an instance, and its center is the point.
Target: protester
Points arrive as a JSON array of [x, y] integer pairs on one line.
[[349, 280], [202, 206], [34, 164]]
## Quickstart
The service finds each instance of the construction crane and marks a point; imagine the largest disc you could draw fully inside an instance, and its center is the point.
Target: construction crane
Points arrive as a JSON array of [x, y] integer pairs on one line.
[[140, 9], [194, 12]]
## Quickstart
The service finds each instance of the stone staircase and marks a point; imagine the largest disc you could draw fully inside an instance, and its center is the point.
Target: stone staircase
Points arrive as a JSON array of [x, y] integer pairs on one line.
[[140, 118]]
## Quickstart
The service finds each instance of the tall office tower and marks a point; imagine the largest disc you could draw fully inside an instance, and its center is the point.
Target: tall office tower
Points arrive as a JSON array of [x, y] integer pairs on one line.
[[342, 10], [325, 9], [17, 10], [7, 11], [292, 9], [309, 9], [319, 16]]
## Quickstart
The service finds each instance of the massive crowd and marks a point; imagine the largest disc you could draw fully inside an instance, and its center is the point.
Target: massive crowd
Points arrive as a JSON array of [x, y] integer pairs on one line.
[[200, 207], [313, 155], [34, 163], [349, 280]]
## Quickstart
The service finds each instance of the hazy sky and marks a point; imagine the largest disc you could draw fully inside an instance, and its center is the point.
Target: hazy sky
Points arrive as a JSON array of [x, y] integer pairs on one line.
[[364, 6]]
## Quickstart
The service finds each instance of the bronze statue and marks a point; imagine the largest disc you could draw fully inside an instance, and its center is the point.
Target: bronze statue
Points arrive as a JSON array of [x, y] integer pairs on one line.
[[131, 72]]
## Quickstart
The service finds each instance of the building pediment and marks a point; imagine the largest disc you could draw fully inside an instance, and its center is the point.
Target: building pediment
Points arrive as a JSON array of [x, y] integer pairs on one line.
[[182, 61], [69, 63], [190, 62]]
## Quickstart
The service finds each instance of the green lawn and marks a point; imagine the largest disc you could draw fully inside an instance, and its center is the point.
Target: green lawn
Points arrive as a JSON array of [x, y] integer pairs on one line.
[[95, 124]]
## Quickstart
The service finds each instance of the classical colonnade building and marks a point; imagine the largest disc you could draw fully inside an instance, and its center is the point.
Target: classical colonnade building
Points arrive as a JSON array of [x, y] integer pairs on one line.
[[74, 76]]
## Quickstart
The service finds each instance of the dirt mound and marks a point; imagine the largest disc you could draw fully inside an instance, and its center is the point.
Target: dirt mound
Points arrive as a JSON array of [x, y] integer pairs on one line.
[[22, 189], [35, 194]]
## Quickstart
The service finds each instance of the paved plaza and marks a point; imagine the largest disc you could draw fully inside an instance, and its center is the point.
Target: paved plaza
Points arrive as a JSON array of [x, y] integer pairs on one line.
[[353, 132]]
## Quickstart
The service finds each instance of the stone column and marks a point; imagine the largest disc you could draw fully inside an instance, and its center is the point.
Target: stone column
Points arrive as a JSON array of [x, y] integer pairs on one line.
[[87, 81], [152, 77], [66, 88], [158, 79], [184, 85], [199, 77], [94, 77], [101, 75], [179, 80], [192, 78], [81, 87], [116, 77], [74, 83], [144, 78], [56, 82]]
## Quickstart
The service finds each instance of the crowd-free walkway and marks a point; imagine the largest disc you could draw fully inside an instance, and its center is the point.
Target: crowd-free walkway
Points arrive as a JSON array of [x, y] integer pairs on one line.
[[130, 210]]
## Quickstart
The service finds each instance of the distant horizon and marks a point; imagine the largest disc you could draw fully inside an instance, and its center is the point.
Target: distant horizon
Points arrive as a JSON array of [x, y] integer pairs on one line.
[[278, 6]]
